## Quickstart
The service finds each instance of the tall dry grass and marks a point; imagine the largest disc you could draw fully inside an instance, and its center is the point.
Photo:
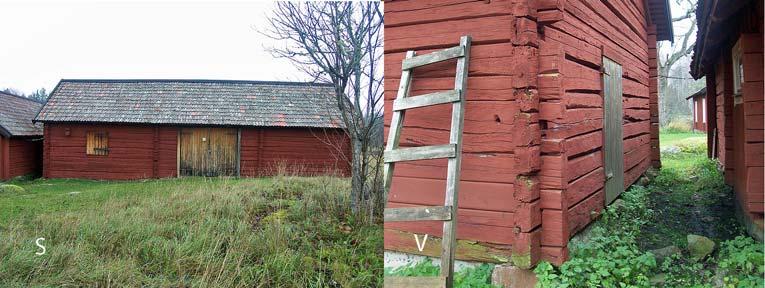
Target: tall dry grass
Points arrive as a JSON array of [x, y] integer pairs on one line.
[[283, 231]]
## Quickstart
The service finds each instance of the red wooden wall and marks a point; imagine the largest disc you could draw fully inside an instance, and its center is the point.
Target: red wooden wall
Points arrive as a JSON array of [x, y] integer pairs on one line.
[[501, 131], [532, 171], [738, 135], [573, 45], [136, 152], [266, 151], [143, 151], [19, 157]]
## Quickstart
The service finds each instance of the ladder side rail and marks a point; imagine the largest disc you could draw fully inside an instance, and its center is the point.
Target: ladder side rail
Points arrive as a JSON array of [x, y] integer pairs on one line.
[[396, 123], [448, 248]]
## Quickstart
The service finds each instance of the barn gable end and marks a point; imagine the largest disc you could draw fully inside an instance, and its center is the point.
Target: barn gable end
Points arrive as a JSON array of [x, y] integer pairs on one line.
[[532, 166]]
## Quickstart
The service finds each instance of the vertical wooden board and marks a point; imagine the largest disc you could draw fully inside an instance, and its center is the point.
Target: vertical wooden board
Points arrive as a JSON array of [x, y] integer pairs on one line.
[[613, 155]]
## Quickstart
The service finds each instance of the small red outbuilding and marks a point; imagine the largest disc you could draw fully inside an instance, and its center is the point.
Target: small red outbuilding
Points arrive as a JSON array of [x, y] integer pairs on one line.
[[698, 104], [20, 139], [133, 129]]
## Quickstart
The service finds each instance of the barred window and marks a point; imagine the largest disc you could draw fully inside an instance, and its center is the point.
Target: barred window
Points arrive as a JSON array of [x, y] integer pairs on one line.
[[98, 143]]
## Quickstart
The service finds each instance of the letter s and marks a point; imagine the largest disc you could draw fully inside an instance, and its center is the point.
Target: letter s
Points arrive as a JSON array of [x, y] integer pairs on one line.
[[37, 242]]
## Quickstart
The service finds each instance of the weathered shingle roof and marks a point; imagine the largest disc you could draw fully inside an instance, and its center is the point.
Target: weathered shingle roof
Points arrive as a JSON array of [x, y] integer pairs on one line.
[[16, 115], [193, 102], [661, 15], [702, 92]]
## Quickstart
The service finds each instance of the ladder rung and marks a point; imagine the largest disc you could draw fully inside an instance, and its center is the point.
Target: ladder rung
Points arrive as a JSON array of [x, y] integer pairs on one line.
[[419, 282], [430, 213], [436, 98], [421, 153], [434, 57]]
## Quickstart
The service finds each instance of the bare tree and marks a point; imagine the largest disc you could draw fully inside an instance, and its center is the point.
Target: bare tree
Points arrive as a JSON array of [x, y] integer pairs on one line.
[[341, 43], [672, 100]]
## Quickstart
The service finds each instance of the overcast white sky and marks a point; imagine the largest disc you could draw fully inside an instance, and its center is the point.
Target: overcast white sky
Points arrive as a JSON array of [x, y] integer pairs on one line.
[[43, 42]]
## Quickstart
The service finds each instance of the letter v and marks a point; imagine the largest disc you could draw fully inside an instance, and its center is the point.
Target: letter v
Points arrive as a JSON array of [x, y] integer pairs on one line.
[[424, 239]]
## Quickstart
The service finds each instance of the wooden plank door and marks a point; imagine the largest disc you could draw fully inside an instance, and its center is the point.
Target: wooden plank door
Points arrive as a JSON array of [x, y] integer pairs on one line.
[[612, 123], [208, 152]]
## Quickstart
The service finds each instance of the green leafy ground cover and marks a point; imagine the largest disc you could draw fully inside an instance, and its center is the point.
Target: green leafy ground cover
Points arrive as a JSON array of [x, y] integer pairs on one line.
[[478, 277], [189, 232], [686, 196]]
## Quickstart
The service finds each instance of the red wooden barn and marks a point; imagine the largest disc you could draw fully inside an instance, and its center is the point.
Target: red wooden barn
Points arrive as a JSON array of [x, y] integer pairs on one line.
[[543, 153], [132, 129], [20, 139], [729, 53], [698, 110]]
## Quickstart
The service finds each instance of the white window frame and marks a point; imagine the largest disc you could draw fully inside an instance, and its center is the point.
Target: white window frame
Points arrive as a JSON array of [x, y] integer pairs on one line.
[[695, 110], [737, 56], [704, 109]]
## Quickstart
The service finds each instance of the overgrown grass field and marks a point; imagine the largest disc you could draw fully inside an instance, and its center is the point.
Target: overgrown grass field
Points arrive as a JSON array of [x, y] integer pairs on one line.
[[188, 232]]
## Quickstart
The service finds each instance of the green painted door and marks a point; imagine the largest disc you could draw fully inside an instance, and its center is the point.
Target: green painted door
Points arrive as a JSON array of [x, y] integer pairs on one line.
[[612, 123]]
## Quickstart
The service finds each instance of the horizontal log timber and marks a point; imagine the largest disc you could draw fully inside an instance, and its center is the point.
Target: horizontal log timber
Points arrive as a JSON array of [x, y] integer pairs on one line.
[[481, 117], [471, 216], [466, 250], [496, 59], [476, 167], [479, 143], [440, 213], [465, 231], [487, 196], [447, 33], [403, 13]]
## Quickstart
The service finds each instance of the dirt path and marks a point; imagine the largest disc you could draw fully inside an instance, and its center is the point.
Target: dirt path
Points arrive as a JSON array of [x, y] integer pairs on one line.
[[688, 197]]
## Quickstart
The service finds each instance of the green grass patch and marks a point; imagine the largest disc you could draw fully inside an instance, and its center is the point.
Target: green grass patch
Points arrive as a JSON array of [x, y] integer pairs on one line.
[[222, 232], [476, 277], [667, 139]]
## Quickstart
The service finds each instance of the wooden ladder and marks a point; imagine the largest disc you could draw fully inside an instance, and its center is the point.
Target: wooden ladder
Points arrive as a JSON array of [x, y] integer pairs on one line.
[[452, 151]]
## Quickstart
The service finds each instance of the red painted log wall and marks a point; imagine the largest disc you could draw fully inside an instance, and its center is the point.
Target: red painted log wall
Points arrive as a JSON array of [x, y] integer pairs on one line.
[[499, 191], [741, 135], [532, 171], [144, 151], [131, 154], [572, 46], [270, 151], [25, 156], [20, 156]]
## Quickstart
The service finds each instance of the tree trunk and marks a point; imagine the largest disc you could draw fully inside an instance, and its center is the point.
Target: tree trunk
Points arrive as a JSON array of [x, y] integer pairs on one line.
[[357, 177]]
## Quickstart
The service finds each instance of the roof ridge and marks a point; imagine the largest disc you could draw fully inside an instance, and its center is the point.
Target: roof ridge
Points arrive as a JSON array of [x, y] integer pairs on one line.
[[144, 80], [21, 97]]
